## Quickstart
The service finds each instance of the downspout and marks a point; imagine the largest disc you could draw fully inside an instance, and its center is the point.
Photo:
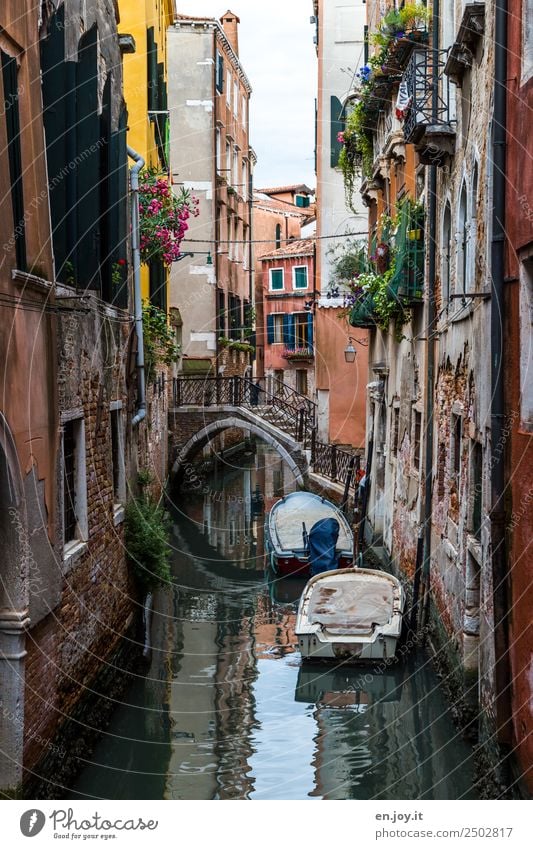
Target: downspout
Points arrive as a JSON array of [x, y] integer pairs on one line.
[[137, 301], [497, 412], [430, 336]]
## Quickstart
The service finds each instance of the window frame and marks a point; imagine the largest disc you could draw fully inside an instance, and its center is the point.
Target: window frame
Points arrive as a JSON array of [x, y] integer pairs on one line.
[[296, 268], [281, 288], [119, 471], [277, 328], [76, 419]]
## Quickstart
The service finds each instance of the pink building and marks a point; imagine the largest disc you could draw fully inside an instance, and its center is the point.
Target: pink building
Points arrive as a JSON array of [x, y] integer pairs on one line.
[[288, 295]]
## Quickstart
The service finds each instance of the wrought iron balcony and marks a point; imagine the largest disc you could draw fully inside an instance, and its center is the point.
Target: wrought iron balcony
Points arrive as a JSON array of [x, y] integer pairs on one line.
[[429, 129], [303, 353]]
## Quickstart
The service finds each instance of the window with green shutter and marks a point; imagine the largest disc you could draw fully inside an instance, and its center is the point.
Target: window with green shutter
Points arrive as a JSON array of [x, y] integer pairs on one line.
[[337, 125], [11, 111], [300, 277], [220, 73], [276, 279]]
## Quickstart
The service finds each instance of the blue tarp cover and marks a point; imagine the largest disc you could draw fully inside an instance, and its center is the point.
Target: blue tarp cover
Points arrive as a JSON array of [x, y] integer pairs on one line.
[[323, 538]]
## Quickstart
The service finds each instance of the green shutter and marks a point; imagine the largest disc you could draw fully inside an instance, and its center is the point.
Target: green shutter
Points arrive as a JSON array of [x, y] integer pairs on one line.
[[152, 82], [220, 73], [300, 278], [270, 329], [11, 110], [276, 279], [158, 284], [337, 125], [88, 144], [310, 331]]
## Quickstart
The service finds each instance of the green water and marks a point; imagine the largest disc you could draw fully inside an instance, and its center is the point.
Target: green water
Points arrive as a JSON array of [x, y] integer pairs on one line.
[[226, 710]]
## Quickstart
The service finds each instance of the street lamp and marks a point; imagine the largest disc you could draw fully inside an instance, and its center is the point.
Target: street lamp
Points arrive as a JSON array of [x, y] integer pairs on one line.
[[349, 352], [209, 260]]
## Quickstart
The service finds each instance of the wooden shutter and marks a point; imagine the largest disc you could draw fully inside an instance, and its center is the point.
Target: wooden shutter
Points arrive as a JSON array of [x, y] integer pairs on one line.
[[270, 329], [220, 73], [288, 330], [337, 124], [11, 110], [88, 144], [310, 331], [152, 82]]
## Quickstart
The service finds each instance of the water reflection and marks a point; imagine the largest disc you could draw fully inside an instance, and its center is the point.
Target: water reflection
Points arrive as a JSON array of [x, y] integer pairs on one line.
[[226, 711]]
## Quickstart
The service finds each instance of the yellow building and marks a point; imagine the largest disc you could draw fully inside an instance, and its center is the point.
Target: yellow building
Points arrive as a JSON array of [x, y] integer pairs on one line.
[[142, 30]]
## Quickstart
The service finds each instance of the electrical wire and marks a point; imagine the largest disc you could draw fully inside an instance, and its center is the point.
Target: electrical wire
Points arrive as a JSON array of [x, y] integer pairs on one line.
[[269, 241]]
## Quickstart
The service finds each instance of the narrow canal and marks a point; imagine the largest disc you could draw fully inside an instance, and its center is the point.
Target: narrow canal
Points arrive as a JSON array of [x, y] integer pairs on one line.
[[226, 710]]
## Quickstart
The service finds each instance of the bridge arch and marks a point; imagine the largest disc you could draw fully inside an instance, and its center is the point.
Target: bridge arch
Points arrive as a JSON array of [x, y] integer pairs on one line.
[[287, 452]]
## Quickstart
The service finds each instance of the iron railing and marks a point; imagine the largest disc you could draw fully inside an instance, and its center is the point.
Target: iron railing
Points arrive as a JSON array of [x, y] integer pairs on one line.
[[419, 76], [335, 463], [285, 408]]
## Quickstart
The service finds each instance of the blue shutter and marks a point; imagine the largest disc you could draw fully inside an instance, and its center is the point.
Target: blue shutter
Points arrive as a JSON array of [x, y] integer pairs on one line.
[[270, 329], [310, 331], [288, 331]]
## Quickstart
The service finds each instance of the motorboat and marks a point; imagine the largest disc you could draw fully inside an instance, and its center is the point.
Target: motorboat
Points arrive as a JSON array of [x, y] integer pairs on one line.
[[306, 534], [343, 686], [350, 615]]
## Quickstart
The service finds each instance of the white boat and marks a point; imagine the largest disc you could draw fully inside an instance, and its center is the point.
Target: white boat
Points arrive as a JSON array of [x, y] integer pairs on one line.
[[350, 614], [289, 525]]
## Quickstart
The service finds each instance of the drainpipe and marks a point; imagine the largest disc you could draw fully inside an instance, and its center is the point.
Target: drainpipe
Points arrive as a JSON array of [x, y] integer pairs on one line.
[[430, 335], [136, 253], [497, 412]]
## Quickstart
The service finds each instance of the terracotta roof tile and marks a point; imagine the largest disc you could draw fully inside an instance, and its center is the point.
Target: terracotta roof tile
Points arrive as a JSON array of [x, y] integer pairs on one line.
[[277, 190], [296, 247]]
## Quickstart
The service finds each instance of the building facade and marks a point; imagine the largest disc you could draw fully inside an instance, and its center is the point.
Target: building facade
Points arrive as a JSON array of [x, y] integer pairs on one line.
[[277, 218], [288, 275], [143, 40], [340, 387], [426, 122], [209, 94], [518, 372]]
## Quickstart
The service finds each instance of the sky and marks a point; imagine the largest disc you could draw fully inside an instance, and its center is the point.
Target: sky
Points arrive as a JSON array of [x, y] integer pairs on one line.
[[278, 56]]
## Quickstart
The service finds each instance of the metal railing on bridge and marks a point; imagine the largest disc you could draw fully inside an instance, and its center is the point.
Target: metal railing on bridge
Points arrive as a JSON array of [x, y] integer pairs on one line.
[[284, 408]]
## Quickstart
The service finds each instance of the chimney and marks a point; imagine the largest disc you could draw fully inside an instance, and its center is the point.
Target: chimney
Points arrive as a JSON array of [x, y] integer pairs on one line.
[[230, 23]]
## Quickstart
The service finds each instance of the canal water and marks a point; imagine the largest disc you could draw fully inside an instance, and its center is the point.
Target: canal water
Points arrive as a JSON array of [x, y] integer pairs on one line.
[[227, 711]]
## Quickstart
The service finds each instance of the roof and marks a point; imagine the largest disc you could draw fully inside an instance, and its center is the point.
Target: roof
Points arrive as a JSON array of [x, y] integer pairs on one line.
[[281, 206], [301, 188], [180, 17], [294, 247], [230, 14]]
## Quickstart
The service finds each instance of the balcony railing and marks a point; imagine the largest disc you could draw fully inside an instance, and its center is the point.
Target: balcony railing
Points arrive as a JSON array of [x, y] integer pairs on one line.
[[430, 130]]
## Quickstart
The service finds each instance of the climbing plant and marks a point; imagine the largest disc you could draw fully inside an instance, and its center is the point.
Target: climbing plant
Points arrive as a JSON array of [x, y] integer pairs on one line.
[[159, 339], [146, 535]]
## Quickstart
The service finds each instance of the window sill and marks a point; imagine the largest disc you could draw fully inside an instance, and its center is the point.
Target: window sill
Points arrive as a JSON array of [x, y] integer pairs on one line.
[[118, 514], [72, 552]]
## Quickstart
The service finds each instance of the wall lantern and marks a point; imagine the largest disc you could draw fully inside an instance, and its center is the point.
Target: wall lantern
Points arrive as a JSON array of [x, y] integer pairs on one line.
[[349, 352]]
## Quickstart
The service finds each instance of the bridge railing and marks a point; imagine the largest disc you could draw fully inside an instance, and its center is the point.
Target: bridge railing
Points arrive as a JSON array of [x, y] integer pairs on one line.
[[335, 463], [292, 412]]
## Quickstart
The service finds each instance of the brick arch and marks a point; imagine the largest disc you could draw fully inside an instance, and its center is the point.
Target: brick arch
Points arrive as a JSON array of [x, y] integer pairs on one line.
[[208, 431]]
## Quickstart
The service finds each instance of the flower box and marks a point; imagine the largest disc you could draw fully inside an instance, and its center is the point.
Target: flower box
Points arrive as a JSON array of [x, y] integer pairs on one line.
[[298, 354]]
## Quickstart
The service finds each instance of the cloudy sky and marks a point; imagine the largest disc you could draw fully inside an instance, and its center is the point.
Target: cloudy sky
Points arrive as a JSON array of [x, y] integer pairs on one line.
[[277, 52]]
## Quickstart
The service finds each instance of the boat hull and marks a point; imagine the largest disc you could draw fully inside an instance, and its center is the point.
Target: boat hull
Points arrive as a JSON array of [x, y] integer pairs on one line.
[[286, 553], [350, 615]]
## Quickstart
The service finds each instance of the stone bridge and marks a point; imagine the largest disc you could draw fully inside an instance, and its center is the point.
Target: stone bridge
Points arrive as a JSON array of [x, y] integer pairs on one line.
[[191, 427]]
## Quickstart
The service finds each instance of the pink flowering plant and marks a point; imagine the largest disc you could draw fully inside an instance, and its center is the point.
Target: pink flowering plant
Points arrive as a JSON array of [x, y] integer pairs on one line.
[[163, 217]]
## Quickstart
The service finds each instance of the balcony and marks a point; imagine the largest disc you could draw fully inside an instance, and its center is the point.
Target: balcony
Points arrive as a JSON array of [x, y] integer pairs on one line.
[[407, 283], [429, 129], [363, 313], [298, 354], [461, 55]]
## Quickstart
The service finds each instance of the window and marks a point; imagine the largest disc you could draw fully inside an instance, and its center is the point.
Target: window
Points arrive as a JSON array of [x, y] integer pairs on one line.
[[278, 236], [278, 381], [441, 470], [231, 246], [277, 325], [228, 87], [117, 453], [236, 240], [228, 162], [74, 481], [476, 479], [246, 247], [244, 177], [221, 312], [276, 279], [395, 430], [301, 381], [244, 113], [235, 98], [417, 432], [218, 148], [462, 244], [457, 427], [220, 73], [446, 254], [14, 156], [337, 125], [235, 174], [301, 329], [299, 277], [302, 200]]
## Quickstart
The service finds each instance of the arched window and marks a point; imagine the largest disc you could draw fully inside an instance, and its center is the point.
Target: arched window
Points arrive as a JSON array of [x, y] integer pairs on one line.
[[278, 235], [462, 243], [472, 232], [446, 255]]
